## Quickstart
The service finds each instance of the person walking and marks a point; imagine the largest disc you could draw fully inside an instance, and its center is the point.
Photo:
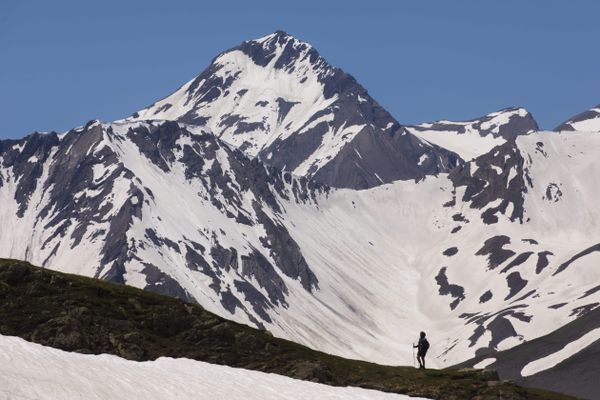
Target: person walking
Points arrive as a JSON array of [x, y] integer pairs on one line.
[[422, 346]]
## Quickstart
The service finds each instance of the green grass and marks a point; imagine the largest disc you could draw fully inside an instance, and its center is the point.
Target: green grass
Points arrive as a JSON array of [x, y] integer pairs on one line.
[[86, 315]]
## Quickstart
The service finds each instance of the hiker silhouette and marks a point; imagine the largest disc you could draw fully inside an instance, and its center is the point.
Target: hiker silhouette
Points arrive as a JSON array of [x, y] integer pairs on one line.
[[422, 346]]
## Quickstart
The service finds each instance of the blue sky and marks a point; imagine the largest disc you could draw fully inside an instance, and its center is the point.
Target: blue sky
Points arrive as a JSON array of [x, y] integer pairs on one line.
[[63, 63]]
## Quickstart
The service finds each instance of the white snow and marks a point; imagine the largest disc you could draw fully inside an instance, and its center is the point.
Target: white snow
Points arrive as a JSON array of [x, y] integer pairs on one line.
[[588, 125], [485, 363], [331, 143], [500, 118], [30, 371], [511, 175], [468, 145], [553, 359]]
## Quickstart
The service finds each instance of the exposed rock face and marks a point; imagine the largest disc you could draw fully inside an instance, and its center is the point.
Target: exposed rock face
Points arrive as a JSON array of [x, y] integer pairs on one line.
[[305, 116], [495, 183]]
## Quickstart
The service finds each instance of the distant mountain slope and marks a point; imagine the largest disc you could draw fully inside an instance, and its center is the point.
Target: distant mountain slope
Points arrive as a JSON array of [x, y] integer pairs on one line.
[[161, 206], [525, 211], [587, 121], [470, 139], [90, 316], [565, 360], [277, 98]]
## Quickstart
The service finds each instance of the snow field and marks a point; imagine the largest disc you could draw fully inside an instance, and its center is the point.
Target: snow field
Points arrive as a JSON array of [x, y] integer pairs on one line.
[[30, 371]]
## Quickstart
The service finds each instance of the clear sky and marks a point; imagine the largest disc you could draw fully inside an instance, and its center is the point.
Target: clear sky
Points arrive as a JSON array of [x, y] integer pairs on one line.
[[65, 62]]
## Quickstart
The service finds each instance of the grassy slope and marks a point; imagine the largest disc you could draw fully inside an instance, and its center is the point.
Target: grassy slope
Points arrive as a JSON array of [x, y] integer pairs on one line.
[[86, 315]]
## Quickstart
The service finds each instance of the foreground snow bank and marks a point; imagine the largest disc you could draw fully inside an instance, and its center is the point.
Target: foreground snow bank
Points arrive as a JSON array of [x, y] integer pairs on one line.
[[32, 371]]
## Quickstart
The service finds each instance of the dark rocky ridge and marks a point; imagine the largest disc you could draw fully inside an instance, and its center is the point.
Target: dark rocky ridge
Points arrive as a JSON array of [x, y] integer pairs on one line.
[[90, 316]]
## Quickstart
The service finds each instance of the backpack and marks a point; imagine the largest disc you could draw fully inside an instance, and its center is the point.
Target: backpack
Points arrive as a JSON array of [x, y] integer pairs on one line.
[[425, 345]]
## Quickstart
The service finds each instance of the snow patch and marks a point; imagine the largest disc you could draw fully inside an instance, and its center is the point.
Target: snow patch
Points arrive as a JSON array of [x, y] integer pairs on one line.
[[485, 363], [32, 371]]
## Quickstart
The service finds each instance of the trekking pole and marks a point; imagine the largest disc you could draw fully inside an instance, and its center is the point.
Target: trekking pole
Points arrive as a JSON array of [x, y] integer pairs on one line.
[[414, 363]]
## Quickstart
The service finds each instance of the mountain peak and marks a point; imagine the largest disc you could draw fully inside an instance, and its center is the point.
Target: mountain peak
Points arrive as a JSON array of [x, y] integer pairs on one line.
[[281, 50], [278, 36], [587, 121]]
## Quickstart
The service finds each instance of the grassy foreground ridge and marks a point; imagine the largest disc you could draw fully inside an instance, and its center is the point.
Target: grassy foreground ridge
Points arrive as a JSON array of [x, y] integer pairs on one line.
[[87, 315]]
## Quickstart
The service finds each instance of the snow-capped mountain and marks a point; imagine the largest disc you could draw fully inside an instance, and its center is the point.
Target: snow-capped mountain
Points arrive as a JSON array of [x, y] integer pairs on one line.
[[473, 138], [587, 121], [278, 99], [482, 233]]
